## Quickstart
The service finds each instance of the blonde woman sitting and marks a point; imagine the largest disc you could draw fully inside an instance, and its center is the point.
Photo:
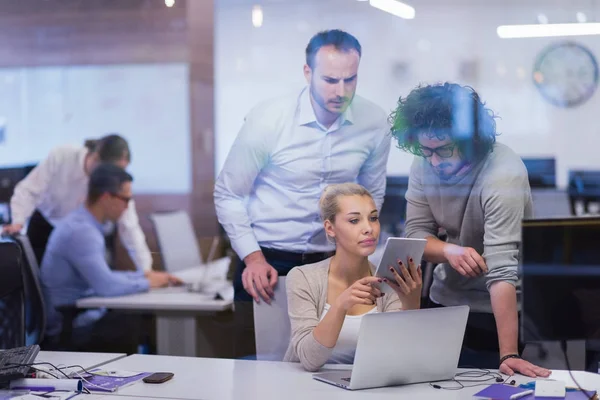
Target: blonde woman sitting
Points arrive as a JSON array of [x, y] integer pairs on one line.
[[327, 300]]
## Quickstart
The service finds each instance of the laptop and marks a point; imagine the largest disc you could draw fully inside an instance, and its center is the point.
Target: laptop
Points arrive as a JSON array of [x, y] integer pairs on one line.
[[398, 348]]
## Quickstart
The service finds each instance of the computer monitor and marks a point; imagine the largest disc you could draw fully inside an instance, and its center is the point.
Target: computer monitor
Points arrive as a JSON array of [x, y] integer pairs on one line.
[[393, 212], [541, 172], [560, 266], [9, 177]]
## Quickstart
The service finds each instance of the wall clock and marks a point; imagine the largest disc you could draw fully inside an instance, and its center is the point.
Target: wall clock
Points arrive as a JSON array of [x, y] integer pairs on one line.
[[566, 74]]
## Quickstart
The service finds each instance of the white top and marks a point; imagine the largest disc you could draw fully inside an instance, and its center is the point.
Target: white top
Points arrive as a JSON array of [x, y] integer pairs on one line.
[[58, 186], [268, 191], [345, 347], [224, 379]]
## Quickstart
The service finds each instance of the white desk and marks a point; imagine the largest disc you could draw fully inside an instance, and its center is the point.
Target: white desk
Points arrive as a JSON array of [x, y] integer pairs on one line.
[[105, 397], [210, 378], [86, 360], [176, 310]]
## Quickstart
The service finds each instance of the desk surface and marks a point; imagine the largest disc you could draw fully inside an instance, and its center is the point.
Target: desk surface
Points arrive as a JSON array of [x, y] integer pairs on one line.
[[86, 360], [167, 299], [212, 378]]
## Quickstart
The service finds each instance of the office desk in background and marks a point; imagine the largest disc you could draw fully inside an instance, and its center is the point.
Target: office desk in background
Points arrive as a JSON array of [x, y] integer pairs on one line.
[[221, 379], [180, 316], [86, 360]]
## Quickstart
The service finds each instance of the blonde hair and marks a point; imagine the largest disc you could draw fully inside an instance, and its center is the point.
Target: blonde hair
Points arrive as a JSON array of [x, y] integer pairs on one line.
[[329, 205]]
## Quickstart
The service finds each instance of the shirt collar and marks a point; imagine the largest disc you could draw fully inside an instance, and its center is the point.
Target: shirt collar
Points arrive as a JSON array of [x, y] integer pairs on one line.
[[88, 215], [306, 113]]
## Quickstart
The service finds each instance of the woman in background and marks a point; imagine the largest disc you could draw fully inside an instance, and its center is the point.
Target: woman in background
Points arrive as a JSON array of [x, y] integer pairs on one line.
[[58, 185], [327, 300]]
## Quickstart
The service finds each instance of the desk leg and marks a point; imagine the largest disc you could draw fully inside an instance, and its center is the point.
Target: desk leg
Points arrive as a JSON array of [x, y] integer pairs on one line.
[[194, 335], [180, 335], [176, 335]]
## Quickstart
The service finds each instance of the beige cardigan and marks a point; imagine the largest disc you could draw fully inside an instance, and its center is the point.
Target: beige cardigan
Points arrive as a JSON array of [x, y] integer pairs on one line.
[[306, 288]]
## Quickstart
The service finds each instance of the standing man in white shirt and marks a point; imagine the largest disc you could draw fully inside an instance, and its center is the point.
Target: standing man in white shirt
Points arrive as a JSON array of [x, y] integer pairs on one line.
[[58, 186], [288, 150]]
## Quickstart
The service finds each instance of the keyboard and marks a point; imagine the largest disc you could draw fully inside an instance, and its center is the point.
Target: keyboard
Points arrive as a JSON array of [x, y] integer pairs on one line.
[[14, 363]]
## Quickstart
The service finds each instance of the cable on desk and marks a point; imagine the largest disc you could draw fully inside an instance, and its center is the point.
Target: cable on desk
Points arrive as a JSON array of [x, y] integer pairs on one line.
[[485, 374]]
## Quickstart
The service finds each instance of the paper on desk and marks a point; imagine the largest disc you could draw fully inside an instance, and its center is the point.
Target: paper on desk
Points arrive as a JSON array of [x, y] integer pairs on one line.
[[213, 271], [117, 373], [98, 383], [587, 380]]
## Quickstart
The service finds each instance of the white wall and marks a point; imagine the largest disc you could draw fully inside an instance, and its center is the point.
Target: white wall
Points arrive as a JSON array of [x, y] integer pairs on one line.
[[148, 104], [255, 64]]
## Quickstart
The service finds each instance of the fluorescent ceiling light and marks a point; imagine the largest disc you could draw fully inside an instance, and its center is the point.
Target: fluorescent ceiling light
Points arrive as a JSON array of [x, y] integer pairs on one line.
[[257, 16], [394, 7], [548, 30]]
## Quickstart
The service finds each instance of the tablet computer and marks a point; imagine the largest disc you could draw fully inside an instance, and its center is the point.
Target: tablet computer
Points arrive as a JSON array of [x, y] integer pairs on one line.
[[398, 249]]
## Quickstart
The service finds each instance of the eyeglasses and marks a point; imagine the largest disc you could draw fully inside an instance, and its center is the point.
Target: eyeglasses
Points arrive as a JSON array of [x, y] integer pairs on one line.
[[124, 198], [442, 152]]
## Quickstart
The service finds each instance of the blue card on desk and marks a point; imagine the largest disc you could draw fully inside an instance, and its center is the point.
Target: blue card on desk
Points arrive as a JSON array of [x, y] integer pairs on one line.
[[501, 392]]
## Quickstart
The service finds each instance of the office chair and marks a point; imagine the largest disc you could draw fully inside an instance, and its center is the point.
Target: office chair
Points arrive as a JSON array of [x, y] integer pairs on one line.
[[177, 240], [272, 325], [35, 302], [583, 189], [12, 291]]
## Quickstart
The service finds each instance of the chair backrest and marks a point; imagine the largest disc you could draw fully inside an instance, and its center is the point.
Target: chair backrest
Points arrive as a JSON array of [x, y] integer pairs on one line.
[[35, 304], [12, 303], [177, 240], [272, 325]]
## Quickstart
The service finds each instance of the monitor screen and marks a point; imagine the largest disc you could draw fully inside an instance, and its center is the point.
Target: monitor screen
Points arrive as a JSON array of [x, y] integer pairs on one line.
[[560, 265], [541, 172], [9, 177]]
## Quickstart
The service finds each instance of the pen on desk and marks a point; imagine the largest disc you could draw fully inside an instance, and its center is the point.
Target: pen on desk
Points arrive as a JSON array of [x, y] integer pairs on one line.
[[519, 395]]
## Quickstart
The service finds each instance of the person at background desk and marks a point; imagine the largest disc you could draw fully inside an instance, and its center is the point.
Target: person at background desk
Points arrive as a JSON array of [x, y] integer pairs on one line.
[[478, 191], [58, 185], [287, 151], [327, 300], [74, 265]]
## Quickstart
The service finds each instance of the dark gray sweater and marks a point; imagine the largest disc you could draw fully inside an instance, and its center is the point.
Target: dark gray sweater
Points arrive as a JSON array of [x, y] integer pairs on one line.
[[482, 209]]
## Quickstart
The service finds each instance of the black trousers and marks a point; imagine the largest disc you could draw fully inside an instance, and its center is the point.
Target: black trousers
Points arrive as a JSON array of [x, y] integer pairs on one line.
[[283, 262], [38, 232], [480, 348]]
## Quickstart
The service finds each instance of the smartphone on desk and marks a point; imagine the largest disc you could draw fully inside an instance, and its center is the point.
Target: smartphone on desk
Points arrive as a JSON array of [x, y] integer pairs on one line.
[[158, 377]]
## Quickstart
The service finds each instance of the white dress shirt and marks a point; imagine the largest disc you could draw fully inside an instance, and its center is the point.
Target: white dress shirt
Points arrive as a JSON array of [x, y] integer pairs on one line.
[[58, 186], [268, 191]]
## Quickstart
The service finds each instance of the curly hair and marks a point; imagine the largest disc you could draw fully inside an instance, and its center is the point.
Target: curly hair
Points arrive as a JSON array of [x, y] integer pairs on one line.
[[441, 111]]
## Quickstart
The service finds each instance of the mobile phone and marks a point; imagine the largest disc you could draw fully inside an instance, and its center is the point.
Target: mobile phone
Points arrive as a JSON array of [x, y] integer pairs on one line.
[[158, 377]]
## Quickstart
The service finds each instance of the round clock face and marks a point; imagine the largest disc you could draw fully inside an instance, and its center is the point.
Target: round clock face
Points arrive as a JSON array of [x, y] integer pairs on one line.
[[566, 74]]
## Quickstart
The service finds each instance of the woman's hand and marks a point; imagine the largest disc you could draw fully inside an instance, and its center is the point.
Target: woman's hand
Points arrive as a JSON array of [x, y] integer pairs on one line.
[[408, 284], [363, 291]]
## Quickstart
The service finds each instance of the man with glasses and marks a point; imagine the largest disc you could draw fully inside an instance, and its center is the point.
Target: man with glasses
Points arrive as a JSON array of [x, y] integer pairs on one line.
[[74, 264], [477, 190]]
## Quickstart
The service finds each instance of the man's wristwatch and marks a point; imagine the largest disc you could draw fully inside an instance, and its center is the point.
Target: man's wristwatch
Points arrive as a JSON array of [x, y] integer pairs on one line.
[[506, 357]]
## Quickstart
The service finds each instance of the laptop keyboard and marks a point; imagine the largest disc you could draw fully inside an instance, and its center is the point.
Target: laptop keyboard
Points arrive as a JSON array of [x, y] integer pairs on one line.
[[346, 379]]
